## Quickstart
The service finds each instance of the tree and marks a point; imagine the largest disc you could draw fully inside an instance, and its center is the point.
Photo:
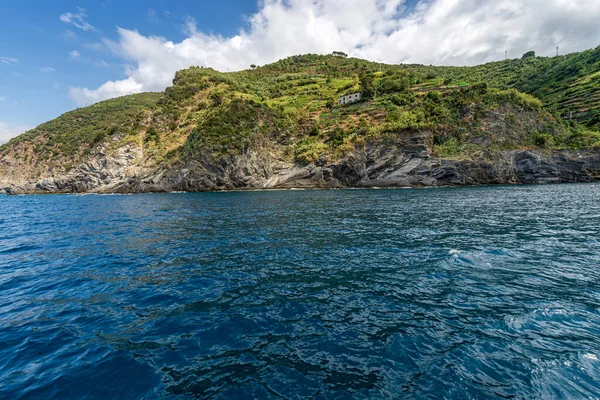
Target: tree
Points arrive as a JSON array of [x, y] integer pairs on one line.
[[331, 103], [529, 54], [340, 54], [253, 66], [367, 85], [395, 84]]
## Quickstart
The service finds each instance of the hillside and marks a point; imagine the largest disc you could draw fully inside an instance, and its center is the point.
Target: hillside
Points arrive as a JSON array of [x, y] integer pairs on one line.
[[280, 125]]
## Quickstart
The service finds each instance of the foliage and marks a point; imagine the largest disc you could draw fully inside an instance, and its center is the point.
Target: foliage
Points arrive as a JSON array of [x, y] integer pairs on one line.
[[542, 139], [74, 133], [294, 103], [449, 148], [529, 54], [367, 85], [152, 135], [226, 129], [515, 97], [340, 54], [399, 120], [308, 150]]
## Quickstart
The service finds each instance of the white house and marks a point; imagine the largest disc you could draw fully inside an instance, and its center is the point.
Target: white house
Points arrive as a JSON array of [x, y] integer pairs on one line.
[[351, 98]]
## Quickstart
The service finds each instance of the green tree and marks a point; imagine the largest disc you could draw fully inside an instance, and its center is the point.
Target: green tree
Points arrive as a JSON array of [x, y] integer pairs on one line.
[[340, 54], [529, 54], [367, 85]]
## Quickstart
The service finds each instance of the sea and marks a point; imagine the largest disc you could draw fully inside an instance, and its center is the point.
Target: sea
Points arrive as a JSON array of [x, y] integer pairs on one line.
[[455, 293]]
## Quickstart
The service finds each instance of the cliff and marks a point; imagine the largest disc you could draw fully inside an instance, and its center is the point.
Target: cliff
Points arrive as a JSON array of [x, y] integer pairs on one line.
[[280, 126]]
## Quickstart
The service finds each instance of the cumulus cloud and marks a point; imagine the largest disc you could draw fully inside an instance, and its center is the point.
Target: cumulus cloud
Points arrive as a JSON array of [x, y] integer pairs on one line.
[[83, 96], [78, 20], [8, 131], [450, 32], [74, 55]]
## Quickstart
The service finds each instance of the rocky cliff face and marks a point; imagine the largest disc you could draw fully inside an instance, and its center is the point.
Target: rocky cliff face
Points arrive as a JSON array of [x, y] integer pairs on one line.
[[100, 173], [406, 164]]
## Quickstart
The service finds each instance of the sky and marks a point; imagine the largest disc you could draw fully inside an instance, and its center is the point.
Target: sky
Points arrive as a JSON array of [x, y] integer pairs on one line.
[[59, 55]]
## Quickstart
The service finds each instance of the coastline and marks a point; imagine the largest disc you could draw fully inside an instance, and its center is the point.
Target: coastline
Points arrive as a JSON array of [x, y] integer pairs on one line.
[[291, 189], [374, 166]]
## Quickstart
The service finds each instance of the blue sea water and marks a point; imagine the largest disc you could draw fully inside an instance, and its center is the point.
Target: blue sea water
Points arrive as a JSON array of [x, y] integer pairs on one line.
[[462, 293]]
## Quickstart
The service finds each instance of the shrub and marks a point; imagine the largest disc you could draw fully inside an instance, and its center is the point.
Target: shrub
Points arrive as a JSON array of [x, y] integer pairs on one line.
[[308, 151], [336, 137], [448, 148], [582, 137], [346, 148], [392, 84], [152, 135], [513, 96], [542, 139], [331, 103], [403, 99], [434, 96], [401, 120]]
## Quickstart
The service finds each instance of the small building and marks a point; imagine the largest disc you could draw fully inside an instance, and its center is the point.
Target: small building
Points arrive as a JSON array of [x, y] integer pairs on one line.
[[351, 98]]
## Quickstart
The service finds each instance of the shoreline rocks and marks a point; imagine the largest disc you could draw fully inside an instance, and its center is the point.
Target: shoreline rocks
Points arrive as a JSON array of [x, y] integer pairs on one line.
[[373, 166]]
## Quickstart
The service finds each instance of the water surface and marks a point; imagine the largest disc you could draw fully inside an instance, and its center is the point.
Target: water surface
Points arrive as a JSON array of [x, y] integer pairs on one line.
[[457, 293]]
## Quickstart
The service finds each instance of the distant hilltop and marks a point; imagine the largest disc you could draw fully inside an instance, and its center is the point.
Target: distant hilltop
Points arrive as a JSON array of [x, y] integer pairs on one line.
[[326, 121]]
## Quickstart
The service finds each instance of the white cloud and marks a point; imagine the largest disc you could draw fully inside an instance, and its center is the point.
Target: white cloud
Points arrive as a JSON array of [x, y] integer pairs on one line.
[[74, 55], [18, 75], [2, 99], [8, 60], [455, 32], [78, 20], [8, 132], [44, 70], [109, 90]]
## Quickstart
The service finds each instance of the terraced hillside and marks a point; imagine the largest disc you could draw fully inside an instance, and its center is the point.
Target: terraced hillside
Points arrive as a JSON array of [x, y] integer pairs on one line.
[[286, 115], [568, 85]]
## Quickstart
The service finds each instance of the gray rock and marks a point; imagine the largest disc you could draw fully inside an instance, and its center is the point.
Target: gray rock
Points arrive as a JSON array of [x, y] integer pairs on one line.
[[406, 164]]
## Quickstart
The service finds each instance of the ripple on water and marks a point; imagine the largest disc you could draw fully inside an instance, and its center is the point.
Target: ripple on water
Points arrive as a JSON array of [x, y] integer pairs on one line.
[[456, 293]]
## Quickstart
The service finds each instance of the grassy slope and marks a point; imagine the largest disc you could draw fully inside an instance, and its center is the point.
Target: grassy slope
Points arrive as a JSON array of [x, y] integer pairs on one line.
[[293, 103], [565, 84], [64, 141], [290, 102]]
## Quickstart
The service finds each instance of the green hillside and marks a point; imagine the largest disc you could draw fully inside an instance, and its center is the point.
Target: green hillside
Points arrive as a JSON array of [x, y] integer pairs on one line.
[[293, 103], [568, 85], [73, 134]]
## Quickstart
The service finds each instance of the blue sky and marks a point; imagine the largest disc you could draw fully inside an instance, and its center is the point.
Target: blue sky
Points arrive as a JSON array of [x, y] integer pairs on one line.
[[38, 48], [58, 55]]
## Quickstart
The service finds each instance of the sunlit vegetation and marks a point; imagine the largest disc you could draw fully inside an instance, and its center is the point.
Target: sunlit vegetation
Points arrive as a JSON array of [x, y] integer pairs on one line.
[[294, 104], [74, 133]]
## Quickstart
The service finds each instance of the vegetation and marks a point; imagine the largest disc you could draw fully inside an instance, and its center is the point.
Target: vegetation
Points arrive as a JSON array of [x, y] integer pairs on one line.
[[529, 54], [293, 103], [73, 134]]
